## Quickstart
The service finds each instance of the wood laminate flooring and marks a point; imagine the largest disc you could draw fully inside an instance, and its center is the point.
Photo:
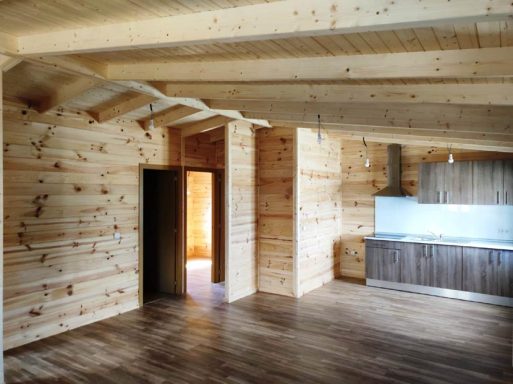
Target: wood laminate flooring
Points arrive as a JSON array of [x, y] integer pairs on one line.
[[343, 332]]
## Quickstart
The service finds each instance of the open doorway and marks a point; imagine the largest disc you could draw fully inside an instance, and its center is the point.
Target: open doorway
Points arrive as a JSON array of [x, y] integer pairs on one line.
[[204, 232], [159, 242]]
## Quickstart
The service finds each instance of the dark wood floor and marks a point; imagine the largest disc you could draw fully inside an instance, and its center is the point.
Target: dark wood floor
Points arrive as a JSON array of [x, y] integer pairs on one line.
[[341, 333]]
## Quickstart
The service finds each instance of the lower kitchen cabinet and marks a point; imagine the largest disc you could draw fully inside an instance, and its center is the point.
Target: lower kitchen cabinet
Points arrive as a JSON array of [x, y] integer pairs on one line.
[[383, 264], [480, 271], [505, 273], [433, 265], [458, 268]]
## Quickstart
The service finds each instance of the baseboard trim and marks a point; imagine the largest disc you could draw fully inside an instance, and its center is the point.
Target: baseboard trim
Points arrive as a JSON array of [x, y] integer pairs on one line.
[[442, 292]]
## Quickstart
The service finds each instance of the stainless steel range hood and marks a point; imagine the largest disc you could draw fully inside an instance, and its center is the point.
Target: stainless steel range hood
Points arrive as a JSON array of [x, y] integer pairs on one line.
[[393, 189]]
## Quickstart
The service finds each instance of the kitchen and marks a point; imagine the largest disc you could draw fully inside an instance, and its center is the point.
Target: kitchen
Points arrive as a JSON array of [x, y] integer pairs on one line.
[[454, 239]]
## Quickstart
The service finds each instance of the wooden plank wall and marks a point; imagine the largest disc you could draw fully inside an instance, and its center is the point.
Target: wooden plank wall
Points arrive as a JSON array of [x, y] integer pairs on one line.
[[320, 205], [275, 210], [1, 232], [241, 210], [70, 183], [359, 183], [205, 150], [199, 215]]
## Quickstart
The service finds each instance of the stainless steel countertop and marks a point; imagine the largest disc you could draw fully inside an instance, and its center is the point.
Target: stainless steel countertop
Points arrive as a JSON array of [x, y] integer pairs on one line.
[[489, 244]]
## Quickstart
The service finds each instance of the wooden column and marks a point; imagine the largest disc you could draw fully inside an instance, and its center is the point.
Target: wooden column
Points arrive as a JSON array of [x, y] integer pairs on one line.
[[240, 210]]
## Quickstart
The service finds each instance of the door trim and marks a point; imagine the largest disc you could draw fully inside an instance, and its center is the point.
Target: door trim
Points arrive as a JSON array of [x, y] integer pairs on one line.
[[180, 216]]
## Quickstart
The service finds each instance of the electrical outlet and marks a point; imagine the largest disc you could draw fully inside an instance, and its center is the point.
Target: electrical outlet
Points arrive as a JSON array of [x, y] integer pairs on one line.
[[117, 236]]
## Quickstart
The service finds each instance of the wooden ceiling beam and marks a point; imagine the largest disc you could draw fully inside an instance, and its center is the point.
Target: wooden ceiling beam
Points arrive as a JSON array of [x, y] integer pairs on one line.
[[66, 93], [122, 108], [448, 123], [498, 143], [7, 62], [169, 116], [203, 125], [461, 63], [471, 94], [265, 21]]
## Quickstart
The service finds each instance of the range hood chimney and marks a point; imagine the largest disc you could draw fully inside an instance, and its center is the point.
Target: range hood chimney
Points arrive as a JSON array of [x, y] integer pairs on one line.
[[393, 189]]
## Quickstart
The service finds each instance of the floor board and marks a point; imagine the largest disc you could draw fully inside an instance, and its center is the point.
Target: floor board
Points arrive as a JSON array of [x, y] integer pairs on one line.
[[341, 333]]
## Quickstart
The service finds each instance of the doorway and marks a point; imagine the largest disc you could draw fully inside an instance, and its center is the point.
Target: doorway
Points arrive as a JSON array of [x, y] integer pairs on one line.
[[204, 232], [160, 224]]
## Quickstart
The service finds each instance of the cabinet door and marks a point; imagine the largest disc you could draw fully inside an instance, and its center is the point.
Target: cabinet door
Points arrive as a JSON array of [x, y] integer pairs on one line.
[[415, 267], [458, 183], [382, 264], [488, 182], [445, 266], [505, 267], [431, 183], [508, 182], [480, 271]]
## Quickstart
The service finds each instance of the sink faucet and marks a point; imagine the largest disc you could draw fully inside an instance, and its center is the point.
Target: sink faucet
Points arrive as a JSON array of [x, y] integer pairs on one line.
[[436, 236]]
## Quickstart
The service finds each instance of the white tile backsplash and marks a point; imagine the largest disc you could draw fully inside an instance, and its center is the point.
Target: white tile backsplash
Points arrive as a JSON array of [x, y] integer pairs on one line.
[[403, 215]]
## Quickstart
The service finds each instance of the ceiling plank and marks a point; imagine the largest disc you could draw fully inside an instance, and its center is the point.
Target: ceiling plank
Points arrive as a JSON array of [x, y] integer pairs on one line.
[[499, 143], [265, 21], [203, 125], [467, 63], [169, 116], [7, 62], [123, 107], [8, 44], [476, 94], [66, 93], [436, 122]]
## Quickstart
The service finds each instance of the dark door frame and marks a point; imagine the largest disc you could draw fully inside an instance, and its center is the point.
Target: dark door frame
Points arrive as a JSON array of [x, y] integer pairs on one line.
[[218, 221], [179, 278]]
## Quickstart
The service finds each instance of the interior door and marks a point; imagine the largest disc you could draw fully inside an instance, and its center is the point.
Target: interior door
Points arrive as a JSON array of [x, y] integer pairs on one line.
[[480, 271]]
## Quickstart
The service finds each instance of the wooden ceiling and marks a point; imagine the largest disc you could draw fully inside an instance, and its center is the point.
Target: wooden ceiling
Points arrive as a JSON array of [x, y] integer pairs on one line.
[[272, 63]]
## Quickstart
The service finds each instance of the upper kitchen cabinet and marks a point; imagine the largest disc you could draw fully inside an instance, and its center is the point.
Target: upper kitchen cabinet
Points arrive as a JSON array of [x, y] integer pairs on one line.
[[488, 184], [444, 183], [508, 182]]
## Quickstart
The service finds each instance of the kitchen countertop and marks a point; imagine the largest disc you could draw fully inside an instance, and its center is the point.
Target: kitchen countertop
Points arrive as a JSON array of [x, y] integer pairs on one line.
[[461, 242]]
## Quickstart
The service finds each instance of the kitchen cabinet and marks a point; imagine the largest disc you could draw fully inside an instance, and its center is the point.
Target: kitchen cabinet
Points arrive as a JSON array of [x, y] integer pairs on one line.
[[488, 182], [414, 266], [505, 273], [508, 182], [480, 271], [383, 264], [432, 265], [444, 183]]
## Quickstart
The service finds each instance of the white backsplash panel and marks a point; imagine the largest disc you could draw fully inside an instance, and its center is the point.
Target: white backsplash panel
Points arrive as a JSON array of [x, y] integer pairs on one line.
[[403, 215]]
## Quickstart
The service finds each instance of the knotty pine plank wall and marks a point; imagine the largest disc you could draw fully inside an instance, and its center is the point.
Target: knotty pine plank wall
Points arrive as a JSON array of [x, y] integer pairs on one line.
[[359, 183], [275, 210], [241, 210], [70, 183], [320, 204], [199, 215]]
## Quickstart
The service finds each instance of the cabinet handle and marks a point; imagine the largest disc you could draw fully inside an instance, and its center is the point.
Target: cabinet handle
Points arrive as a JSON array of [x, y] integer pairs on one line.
[[506, 197], [446, 197], [499, 261], [498, 197], [490, 257], [432, 250], [438, 197], [425, 250], [396, 256]]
